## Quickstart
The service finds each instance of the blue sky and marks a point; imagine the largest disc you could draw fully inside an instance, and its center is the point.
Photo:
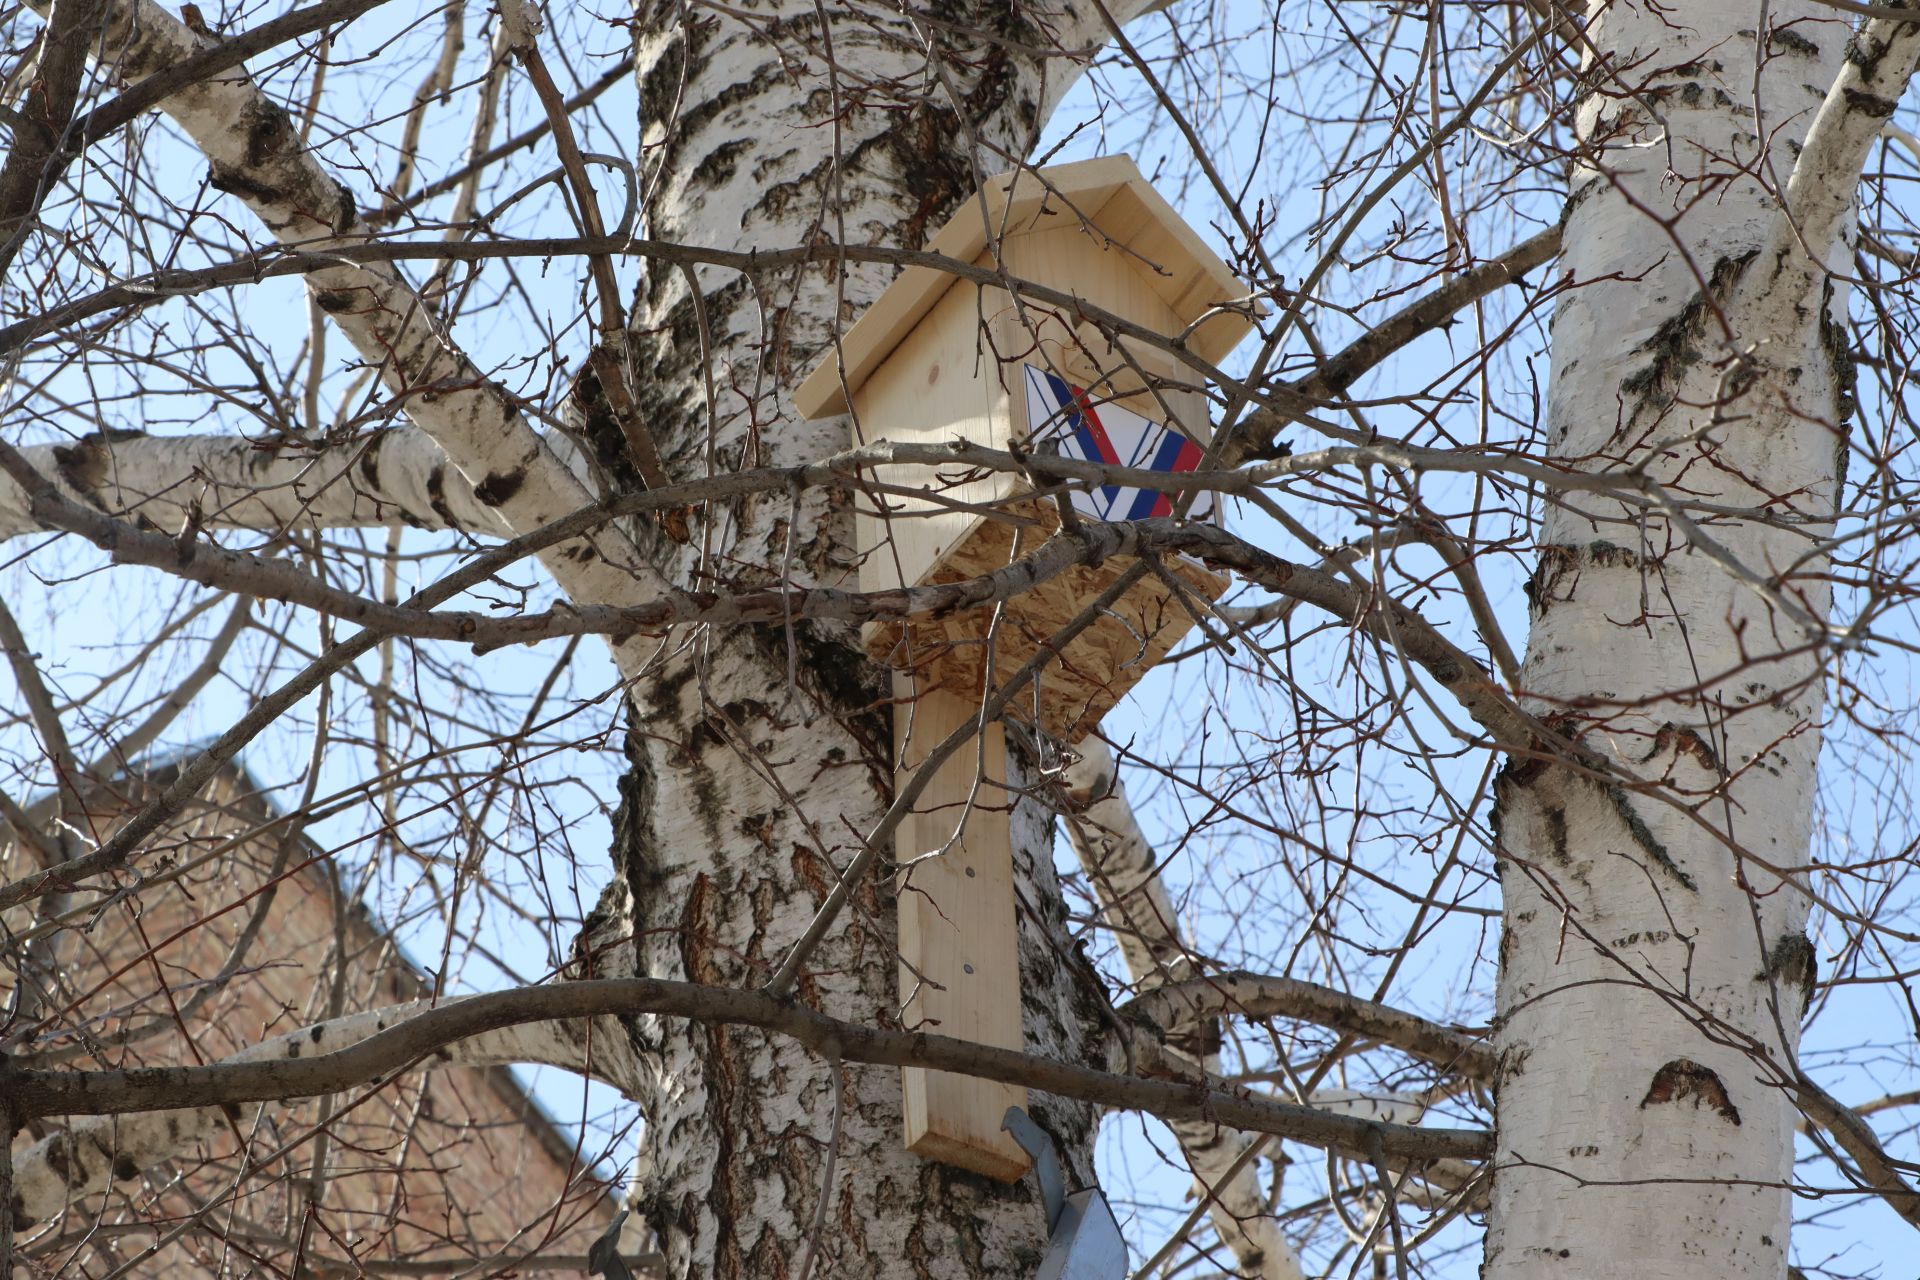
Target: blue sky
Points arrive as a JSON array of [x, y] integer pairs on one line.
[[1244, 885]]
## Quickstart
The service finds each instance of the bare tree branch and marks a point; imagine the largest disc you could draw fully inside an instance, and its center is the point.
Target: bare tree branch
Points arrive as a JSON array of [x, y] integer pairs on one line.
[[111, 1146], [1856, 1137], [73, 32], [256, 155], [387, 477], [1120, 864], [281, 1069], [1250, 995]]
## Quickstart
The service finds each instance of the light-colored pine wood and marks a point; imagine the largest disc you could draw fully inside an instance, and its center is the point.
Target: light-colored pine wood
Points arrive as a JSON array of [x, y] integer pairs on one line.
[[943, 383], [1084, 195], [947, 380], [959, 941], [1090, 675], [938, 359]]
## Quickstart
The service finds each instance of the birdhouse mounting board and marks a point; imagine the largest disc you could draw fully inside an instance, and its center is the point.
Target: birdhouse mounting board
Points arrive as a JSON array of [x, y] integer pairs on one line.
[[957, 978]]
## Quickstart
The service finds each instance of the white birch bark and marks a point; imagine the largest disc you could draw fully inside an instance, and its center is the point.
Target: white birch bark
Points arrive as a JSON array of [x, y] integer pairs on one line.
[[744, 798], [386, 478], [255, 154], [1653, 968]]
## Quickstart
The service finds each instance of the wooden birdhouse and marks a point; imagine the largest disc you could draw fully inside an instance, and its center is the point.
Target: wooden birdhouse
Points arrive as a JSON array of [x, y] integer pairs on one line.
[[938, 359]]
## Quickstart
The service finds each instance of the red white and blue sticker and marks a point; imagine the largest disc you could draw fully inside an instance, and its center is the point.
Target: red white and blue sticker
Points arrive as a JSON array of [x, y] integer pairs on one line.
[[1063, 415]]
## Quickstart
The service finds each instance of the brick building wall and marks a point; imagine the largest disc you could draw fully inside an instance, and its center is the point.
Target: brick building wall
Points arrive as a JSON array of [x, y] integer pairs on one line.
[[456, 1166]]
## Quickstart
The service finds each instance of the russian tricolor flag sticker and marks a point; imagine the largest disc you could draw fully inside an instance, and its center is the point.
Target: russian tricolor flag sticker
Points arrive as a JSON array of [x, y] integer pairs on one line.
[[1061, 414]]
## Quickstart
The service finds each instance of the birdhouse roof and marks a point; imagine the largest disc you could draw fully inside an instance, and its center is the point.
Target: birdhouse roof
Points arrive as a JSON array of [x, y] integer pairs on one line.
[[1114, 203]]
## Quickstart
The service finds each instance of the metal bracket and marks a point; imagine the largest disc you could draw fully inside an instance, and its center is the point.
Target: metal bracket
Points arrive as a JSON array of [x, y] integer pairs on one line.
[[1084, 1241]]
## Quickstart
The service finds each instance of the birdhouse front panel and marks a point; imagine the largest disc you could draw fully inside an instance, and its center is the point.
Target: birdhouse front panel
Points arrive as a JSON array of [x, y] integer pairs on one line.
[[942, 384], [959, 375], [1072, 259]]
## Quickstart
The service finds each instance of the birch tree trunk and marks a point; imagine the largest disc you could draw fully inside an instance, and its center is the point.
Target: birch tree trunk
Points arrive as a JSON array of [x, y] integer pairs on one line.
[[1654, 964], [759, 755]]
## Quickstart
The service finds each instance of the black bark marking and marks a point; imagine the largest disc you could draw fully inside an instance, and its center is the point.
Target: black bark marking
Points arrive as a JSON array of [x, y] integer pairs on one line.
[[1787, 40], [236, 181], [1643, 835], [1673, 351], [1555, 563], [1683, 741], [1608, 555], [83, 464], [1792, 961], [835, 672], [1673, 344], [1522, 774], [270, 134], [370, 458], [1556, 820], [934, 173], [1865, 52], [1685, 1080], [721, 163], [1836, 343], [336, 301], [500, 486], [1870, 104], [348, 214], [437, 495], [596, 422]]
